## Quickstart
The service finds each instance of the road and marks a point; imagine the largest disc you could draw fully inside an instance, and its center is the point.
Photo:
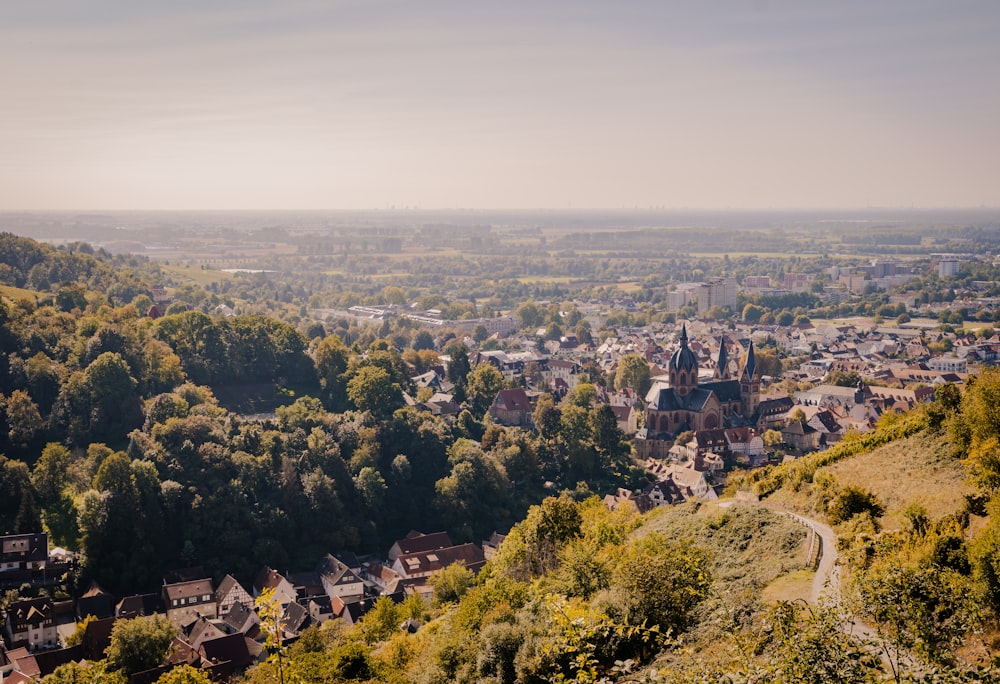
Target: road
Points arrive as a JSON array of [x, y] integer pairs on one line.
[[826, 583], [826, 587]]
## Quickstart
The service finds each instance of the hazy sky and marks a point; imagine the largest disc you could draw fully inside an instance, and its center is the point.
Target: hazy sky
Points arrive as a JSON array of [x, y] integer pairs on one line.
[[302, 104]]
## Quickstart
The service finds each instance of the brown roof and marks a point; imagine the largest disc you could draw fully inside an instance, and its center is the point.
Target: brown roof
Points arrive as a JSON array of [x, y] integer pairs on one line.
[[415, 542], [188, 589], [469, 555], [515, 399], [268, 579]]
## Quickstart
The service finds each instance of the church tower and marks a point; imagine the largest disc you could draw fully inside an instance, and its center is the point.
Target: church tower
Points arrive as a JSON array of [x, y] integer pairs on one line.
[[750, 383], [683, 368], [722, 362]]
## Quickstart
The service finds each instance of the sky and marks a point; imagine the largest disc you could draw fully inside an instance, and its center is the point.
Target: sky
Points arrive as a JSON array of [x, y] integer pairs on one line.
[[372, 104]]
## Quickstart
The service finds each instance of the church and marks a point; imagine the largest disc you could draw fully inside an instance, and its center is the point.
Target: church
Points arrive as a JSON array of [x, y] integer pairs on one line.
[[684, 404]]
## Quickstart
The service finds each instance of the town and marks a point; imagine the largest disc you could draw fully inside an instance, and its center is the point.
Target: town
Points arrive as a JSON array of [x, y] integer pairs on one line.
[[694, 398]]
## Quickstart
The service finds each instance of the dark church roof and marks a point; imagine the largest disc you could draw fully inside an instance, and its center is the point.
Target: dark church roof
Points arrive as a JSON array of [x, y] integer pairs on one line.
[[725, 390], [684, 359]]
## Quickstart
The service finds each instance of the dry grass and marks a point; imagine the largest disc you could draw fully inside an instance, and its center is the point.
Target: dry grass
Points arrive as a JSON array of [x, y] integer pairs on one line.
[[15, 293], [791, 587], [916, 470], [750, 545]]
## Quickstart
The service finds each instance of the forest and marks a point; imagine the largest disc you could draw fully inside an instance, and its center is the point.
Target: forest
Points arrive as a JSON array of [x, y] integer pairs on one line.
[[106, 411]]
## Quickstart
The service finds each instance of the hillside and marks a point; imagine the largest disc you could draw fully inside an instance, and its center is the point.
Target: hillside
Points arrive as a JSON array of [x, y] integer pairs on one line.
[[916, 470]]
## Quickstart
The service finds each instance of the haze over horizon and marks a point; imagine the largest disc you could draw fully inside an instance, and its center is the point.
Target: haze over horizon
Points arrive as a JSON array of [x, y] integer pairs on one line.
[[310, 105]]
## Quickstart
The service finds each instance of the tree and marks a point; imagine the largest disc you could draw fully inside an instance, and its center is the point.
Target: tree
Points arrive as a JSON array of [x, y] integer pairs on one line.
[[752, 313], [660, 583], [331, 360], [851, 501], [458, 368], [139, 644], [546, 417], [23, 418], [88, 673], [371, 486], [451, 583], [269, 611], [607, 437], [185, 674], [530, 314], [484, 383], [423, 340], [372, 389], [633, 372]]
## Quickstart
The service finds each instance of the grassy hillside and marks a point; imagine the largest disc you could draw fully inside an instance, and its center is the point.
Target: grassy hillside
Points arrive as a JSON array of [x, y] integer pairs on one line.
[[915, 470], [750, 545]]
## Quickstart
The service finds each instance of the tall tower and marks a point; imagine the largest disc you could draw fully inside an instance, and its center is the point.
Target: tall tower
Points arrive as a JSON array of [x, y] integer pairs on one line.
[[750, 383], [722, 362], [683, 369]]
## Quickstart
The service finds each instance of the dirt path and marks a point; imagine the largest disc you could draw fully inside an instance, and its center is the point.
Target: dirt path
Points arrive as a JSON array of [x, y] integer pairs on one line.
[[826, 587]]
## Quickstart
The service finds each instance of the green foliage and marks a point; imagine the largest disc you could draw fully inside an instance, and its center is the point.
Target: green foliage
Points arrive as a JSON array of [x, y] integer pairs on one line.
[[659, 583], [532, 546], [451, 584], [185, 674], [809, 646], [85, 673], [633, 372], [139, 644], [482, 387], [372, 389], [851, 501]]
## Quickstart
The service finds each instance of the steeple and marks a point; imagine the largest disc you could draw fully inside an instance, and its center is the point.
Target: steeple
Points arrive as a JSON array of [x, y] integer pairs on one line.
[[750, 383], [750, 367], [722, 363], [683, 367]]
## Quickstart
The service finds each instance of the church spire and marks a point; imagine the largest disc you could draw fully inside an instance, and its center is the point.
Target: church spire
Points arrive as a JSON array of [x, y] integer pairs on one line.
[[722, 363], [750, 367], [684, 335]]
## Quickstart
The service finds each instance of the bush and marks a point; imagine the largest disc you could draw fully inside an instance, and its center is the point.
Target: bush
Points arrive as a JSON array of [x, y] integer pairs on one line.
[[852, 501]]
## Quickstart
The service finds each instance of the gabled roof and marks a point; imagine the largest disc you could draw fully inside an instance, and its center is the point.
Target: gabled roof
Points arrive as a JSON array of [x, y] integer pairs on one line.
[[202, 630], [49, 660], [29, 613], [666, 489], [418, 541], [229, 585], [515, 399], [268, 578], [431, 561], [24, 548], [241, 618], [333, 572], [797, 427], [295, 617], [191, 589], [231, 648], [135, 606]]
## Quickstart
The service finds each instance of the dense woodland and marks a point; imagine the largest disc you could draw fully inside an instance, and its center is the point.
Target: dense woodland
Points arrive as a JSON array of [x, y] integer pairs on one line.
[[112, 433]]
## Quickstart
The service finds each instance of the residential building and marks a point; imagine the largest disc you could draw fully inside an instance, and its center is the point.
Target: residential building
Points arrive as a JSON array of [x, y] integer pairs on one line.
[[187, 601]]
